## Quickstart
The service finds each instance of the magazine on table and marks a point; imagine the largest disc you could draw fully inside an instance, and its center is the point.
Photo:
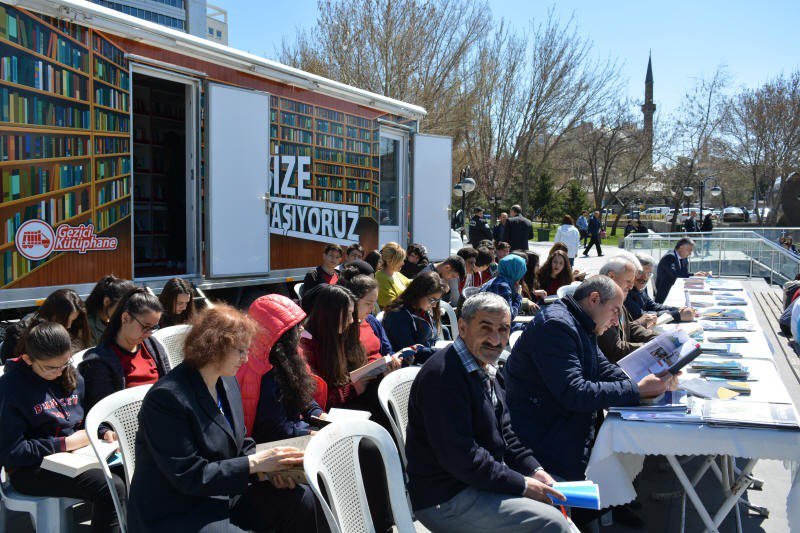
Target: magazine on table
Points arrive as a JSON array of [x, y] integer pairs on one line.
[[721, 313], [726, 325], [667, 353], [750, 414]]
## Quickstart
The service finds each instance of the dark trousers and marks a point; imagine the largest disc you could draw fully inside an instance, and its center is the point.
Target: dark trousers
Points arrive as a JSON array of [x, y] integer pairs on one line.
[[90, 486], [594, 239], [584, 236], [265, 508]]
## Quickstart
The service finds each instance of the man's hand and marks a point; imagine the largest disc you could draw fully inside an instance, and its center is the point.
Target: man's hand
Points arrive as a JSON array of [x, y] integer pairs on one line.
[[536, 490], [687, 314], [652, 386], [647, 320], [544, 477], [700, 274], [109, 436]]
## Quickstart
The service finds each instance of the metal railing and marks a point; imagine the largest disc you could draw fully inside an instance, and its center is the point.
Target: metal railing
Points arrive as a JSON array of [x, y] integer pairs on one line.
[[741, 253]]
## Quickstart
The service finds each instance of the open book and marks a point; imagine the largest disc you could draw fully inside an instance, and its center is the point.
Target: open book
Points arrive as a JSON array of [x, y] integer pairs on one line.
[[296, 472], [75, 463], [375, 368], [667, 353]]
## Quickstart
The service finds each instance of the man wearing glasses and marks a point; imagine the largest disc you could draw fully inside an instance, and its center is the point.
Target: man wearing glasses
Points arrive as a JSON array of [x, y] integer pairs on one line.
[[639, 302]]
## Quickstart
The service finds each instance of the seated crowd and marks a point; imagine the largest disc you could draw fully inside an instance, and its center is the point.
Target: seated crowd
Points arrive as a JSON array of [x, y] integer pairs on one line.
[[483, 445]]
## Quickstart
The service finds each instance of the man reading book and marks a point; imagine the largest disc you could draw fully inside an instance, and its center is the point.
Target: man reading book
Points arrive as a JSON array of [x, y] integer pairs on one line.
[[467, 469], [639, 301]]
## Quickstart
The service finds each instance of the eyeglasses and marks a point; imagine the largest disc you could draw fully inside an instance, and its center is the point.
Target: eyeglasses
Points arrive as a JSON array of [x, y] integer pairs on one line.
[[434, 300], [145, 327], [59, 368], [645, 275]]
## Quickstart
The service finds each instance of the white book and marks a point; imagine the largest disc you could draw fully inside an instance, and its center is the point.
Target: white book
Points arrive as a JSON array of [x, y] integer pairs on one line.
[[375, 368], [75, 463], [297, 473], [343, 415]]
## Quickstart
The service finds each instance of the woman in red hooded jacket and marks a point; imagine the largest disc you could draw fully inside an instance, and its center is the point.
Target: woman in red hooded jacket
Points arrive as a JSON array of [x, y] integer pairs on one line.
[[277, 386]]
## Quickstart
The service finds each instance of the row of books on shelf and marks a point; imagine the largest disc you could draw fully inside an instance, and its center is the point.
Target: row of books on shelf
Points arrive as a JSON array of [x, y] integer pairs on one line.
[[328, 196], [297, 107], [22, 108], [328, 181], [298, 121], [325, 154], [24, 182], [112, 215], [151, 220], [366, 211], [15, 266], [108, 50], [114, 166], [27, 146], [77, 32], [109, 97], [111, 145], [361, 122], [16, 68], [362, 185], [151, 249], [330, 114], [290, 134], [323, 126], [34, 35], [108, 192], [287, 148], [110, 121], [358, 197], [328, 141], [149, 192], [53, 210], [365, 135], [109, 73], [361, 147], [148, 135]]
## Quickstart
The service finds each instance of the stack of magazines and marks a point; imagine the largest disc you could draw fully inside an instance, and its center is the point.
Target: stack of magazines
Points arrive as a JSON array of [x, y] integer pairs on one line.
[[720, 369], [749, 414]]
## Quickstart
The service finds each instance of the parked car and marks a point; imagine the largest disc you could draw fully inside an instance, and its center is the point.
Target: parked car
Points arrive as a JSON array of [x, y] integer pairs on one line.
[[684, 214], [732, 214], [657, 212]]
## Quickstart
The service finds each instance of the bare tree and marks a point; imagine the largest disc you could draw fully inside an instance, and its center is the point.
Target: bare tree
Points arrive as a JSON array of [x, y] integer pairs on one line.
[[412, 50], [693, 129], [762, 135]]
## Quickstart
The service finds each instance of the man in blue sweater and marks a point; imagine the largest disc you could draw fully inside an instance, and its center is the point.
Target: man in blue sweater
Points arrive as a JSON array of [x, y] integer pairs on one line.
[[467, 469], [558, 379]]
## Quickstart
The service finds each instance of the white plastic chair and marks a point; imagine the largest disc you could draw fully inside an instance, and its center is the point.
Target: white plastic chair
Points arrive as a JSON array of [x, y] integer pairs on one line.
[[48, 514], [172, 338], [471, 291], [512, 340], [121, 411], [379, 316], [332, 455], [567, 290], [298, 288], [77, 357], [393, 393], [451, 317]]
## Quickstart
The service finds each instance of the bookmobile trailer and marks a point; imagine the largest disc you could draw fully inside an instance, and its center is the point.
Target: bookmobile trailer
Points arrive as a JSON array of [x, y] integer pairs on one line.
[[130, 148]]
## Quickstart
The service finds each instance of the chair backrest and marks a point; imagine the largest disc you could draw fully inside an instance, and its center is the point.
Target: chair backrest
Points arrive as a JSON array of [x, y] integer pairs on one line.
[[77, 357], [379, 316], [332, 456], [298, 288], [471, 291], [393, 393], [451, 318], [172, 338], [512, 340], [566, 290]]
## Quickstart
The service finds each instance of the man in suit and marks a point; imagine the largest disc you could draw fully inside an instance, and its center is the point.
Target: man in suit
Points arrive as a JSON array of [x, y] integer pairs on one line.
[[639, 301], [674, 265], [478, 228], [519, 230], [467, 469], [500, 229]]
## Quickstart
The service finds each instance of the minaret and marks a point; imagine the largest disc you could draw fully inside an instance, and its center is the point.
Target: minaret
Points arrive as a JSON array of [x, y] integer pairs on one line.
[[648, 108]]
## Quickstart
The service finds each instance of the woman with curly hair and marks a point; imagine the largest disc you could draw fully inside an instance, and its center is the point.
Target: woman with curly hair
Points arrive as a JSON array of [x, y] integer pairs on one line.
[[277, 385], [555, 273]]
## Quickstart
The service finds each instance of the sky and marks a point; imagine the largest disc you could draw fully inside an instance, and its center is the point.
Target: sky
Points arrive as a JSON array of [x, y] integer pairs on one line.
[[754, 41]]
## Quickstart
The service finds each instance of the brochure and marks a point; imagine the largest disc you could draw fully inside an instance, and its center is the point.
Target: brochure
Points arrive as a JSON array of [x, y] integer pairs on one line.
[[726, 325], [722, 313], [375, 368], [708, 389], [75, 463], [750, 414], [584, 494], [669, 352]]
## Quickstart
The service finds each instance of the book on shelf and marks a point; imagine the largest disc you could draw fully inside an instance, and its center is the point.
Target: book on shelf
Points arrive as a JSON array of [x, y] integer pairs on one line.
[[38, 74], [75, 463], [374, 368], [18, 183], [20, 108], [29, 146], [33, 34], [667, 353]]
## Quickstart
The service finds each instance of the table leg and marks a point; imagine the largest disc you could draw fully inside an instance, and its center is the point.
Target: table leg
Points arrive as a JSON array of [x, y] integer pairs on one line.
[[692, 494], [739, 486]]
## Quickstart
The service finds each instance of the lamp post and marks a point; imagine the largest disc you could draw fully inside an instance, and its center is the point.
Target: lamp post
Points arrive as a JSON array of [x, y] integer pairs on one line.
[[462, 189], [716, 190]]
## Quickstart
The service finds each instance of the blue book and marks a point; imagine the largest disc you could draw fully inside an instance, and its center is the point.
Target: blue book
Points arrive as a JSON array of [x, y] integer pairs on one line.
[[583, 494]]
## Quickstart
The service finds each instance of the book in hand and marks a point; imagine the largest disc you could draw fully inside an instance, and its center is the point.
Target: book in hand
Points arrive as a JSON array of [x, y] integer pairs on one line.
[[296, 472], [75, 463], [340, 415], [664, 318], [583, 494], [667, 353], [374, 368]]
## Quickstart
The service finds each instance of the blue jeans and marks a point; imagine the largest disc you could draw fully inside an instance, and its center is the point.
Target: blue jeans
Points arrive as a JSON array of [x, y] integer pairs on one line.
[[477, 511]]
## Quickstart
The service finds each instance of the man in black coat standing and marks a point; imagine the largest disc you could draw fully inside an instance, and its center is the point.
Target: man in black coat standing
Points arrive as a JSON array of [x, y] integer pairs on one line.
[[674, 265], [479, 230], [500, 228], [519, 230]]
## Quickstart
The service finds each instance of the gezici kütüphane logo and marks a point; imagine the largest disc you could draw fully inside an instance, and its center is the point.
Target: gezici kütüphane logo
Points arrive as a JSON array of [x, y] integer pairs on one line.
[[36, 240]]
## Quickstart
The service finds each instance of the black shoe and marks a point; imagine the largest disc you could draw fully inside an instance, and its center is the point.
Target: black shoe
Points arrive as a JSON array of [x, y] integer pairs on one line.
[[626, 516], [600, 255], [585, 255]]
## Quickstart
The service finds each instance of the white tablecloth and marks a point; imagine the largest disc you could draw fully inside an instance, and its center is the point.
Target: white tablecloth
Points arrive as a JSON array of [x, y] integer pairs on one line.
[[621, 446]]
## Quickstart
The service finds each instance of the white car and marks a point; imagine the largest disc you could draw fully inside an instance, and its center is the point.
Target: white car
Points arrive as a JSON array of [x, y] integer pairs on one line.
[[732, 214], [764, 214]]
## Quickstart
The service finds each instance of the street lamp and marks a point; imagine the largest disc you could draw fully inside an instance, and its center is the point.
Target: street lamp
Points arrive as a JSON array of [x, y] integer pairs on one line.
[[716, 190], [462, 189]]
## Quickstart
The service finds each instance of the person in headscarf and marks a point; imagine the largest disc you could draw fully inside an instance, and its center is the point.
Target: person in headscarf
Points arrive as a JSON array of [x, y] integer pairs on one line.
[[510, 270]]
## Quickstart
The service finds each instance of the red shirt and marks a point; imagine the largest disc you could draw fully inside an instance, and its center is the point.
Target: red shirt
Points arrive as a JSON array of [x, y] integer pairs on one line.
[[139, 366], [330, 279], [370, 342]]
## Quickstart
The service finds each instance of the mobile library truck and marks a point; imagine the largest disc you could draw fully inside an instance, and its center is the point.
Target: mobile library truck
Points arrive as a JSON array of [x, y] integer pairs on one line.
[[131, 148]]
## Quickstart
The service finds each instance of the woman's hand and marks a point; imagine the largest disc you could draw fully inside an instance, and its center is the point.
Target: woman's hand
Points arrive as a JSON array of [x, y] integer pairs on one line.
[[394, 363], [539, 293], [79, 439], [110, 436], [275, 459], [282, 482]]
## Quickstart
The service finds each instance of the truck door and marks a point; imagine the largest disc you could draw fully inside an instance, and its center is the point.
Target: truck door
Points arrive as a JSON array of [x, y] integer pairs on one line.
[[393, 211], [432, 165], [237, 185]]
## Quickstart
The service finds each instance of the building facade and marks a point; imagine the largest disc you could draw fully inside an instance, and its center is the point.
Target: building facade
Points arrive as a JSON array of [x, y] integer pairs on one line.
[[184, 15]]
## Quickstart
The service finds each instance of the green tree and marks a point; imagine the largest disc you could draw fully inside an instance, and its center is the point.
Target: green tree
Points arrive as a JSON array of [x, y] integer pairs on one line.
[[574, 199], [546, 202]]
